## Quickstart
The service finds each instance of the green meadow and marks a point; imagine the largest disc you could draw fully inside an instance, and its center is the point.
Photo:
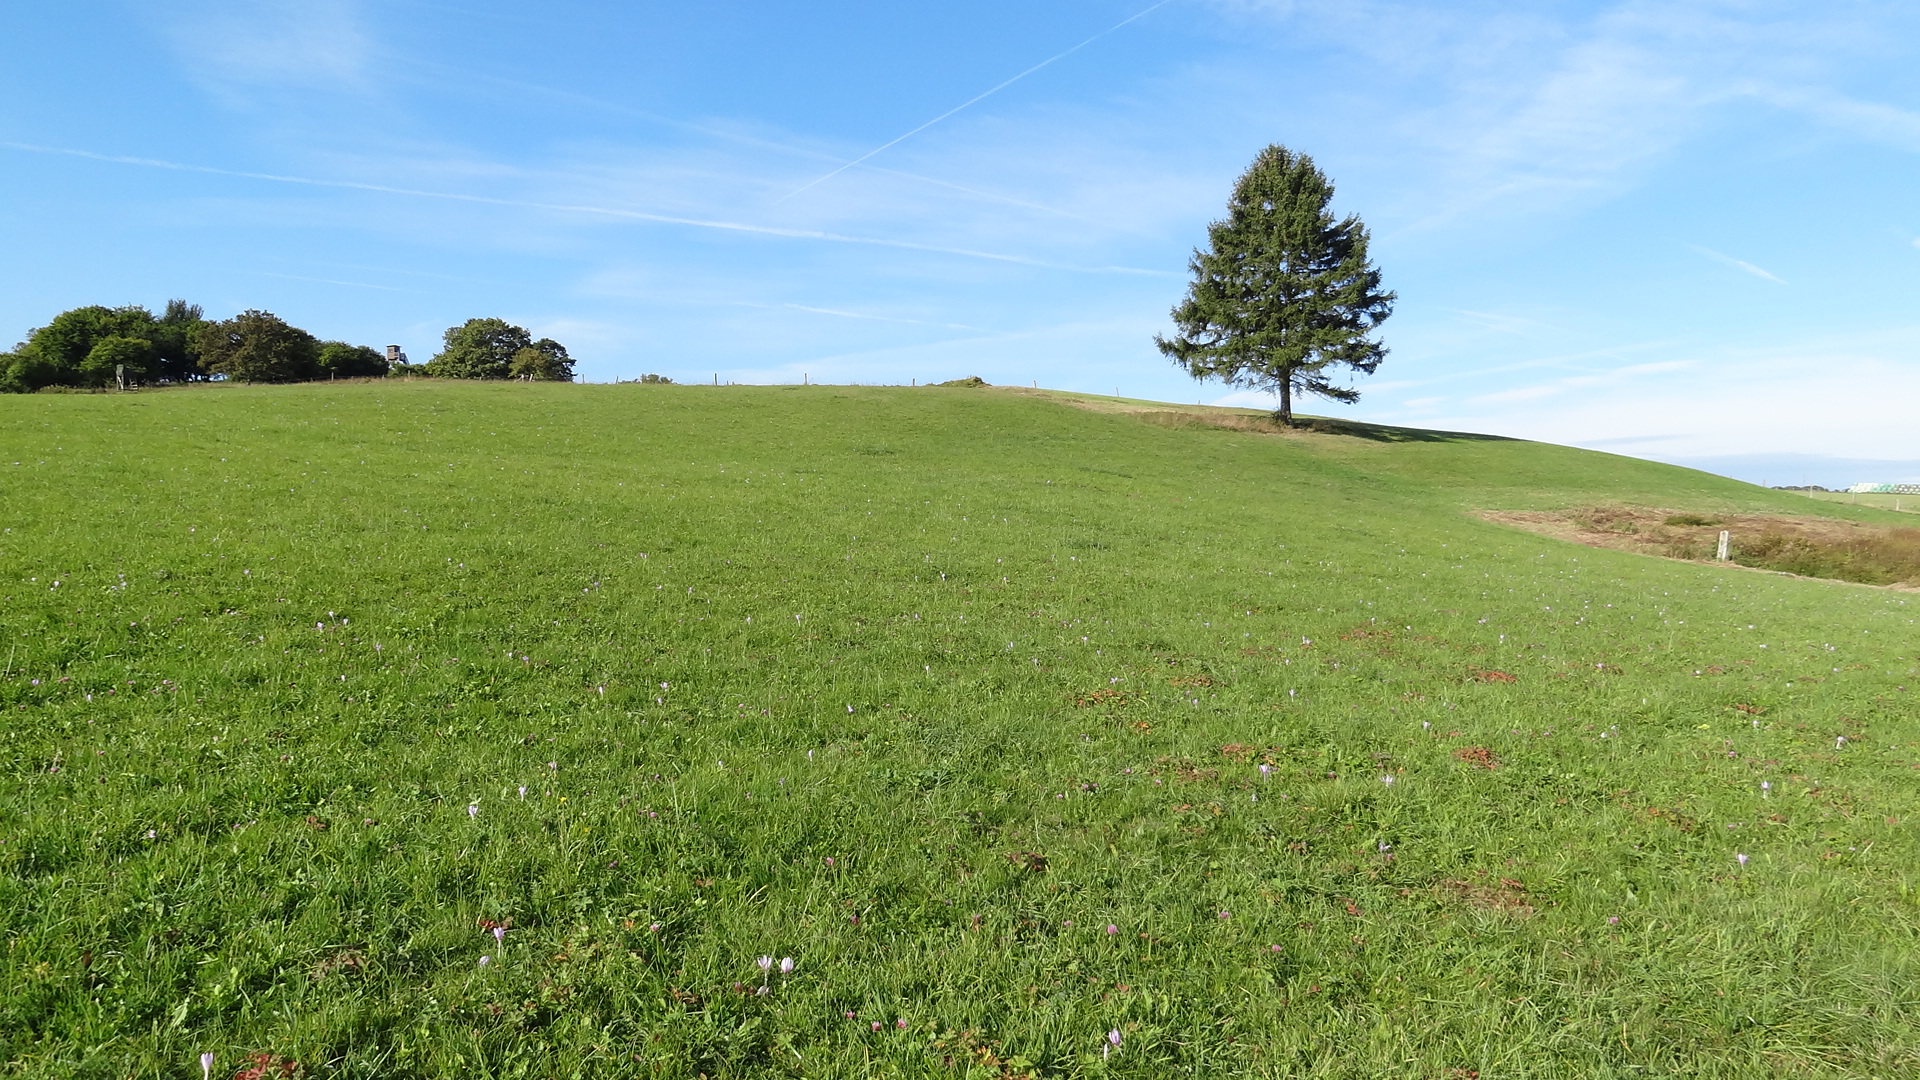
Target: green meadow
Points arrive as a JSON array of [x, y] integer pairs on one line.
[[1013, 724]]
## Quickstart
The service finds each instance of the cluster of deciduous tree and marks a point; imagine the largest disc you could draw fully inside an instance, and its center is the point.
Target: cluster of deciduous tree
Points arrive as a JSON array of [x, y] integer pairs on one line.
[[129, 346], [497, 349]]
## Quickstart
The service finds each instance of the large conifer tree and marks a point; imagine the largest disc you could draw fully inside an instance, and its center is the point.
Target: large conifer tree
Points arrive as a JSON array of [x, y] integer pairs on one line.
[[1285, 293]]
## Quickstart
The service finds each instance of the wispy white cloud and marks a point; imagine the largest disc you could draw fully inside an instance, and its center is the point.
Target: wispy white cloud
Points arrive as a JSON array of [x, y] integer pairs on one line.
[[580, 208], [974, 100], [1519, 393], [233, 49], [1505, 324], [1888, 125], [1731, 400], [1741, 264]]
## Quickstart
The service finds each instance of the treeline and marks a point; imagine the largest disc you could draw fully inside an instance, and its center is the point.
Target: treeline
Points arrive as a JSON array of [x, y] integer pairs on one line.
[[94, 347]]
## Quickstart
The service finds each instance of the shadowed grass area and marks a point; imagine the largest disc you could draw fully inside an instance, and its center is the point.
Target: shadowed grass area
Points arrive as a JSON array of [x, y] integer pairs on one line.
[[1012, 724]]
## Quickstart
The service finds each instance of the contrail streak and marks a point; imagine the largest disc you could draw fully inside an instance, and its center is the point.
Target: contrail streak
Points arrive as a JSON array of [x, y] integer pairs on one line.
[[572, 208], [1739, 263], [972, 100]]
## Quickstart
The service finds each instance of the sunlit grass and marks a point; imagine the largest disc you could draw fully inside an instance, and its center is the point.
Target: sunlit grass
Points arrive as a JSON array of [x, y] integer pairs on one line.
[[1015, 722]]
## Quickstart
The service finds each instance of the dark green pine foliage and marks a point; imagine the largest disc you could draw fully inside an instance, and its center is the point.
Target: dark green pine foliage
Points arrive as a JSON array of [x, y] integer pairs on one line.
[[1286, 293]]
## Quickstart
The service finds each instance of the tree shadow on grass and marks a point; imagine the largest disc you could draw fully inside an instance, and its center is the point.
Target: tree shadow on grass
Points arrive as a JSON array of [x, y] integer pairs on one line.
[[1317, 425]]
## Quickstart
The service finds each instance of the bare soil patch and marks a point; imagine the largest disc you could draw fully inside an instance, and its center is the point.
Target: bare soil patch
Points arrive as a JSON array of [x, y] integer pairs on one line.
[[1806, 546]]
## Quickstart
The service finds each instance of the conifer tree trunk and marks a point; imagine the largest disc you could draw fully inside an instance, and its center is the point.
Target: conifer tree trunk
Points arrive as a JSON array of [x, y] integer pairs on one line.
[[1285, 416]]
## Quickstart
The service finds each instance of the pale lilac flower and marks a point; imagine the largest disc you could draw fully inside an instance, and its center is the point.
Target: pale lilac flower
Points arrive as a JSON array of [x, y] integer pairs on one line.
[[473, 811], [206, 1065], [499, 935], [485, 960], [875, 1026], [1226, 914], [1275, 948], [523, 793], [1742, 858], [1613, 920], [1113, 1043], [1265, 768], [1112, 929], [654, 929], [765, 962], [1387, 780], [786, 965], [1839, 741], [1766, 789]]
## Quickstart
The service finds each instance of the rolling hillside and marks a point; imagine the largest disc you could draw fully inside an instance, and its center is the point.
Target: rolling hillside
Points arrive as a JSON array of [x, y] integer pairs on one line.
[[1013, 719]]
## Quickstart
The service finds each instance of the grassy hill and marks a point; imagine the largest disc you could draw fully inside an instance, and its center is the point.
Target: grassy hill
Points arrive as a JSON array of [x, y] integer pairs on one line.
[[1012, 723]]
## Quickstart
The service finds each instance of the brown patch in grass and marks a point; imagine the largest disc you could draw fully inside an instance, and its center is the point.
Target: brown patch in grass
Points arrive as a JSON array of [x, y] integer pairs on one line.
[[1499, 894], [1028, 860], [1105, 696], [1819, 547], [1479, 757], [1750, 710], [1493, 677], [1190, 680], [1236, 751], [969, 1051], [265, 1066], [345, 960], [1674, 818], [1184, 771]]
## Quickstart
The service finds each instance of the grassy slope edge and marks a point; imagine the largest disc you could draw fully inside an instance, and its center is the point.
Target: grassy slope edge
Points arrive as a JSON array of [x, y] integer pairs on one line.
[[960, 698]]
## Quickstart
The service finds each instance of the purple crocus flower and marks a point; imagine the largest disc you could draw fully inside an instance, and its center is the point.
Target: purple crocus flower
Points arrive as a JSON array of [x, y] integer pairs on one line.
[[206, 1065], [499, 935]]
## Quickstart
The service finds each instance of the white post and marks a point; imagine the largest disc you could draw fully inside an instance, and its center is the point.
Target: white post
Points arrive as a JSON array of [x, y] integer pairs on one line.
[[1724, 537]]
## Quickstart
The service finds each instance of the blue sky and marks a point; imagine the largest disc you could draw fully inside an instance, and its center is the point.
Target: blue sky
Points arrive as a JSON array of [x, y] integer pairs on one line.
[[1681, 230]]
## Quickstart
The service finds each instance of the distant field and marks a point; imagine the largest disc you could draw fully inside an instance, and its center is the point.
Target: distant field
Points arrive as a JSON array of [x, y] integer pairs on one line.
[[1906, 504], [1012, 723]]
